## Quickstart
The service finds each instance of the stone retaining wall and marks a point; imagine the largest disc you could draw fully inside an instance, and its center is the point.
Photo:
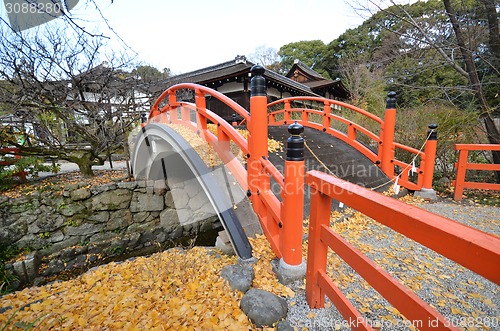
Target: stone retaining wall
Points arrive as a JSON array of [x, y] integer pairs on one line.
[[76, 226]]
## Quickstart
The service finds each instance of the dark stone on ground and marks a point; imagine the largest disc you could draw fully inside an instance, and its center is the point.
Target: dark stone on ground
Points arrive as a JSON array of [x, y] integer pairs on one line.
[[239, 276], [284, 326], [263, 308]]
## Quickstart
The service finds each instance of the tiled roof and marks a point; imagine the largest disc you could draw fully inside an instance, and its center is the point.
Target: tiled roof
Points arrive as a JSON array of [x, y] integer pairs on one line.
[[308, 71], [236, 67]]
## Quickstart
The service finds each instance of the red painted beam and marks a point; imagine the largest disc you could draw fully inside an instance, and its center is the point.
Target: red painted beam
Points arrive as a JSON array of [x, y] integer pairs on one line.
[[474, 249]]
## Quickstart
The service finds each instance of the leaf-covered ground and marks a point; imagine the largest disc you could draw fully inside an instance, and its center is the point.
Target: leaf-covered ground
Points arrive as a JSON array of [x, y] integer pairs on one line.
[[173, 290], [182, 289], [101, 177], [467, 300]]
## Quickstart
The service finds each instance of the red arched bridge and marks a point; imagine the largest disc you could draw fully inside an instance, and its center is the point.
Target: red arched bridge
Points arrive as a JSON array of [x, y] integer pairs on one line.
[[159, 150]]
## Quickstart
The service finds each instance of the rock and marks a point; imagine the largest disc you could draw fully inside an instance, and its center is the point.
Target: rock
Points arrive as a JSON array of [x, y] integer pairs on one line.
[[444, 181], [99, 217], [169, 200], [56, 236], [80, 194], [27, 270], [225, 248], [101, 237], [47, 223], [13, 232], [58, 246], [71, 187], [112, 200], [239, 276], [180, 198], [160, 187], [103, 188], [140, 216], [3, 199], [146, 202], [54, 267], [33, 241], [169, 220], [71, 209], [263, 308], [119, 219], [199, 202], [284, 326], [86, 229], [4, 309], [127, 185], [78, 262]]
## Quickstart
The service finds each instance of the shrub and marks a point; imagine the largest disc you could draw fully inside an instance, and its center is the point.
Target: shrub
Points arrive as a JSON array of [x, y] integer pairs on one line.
[[454, 127]]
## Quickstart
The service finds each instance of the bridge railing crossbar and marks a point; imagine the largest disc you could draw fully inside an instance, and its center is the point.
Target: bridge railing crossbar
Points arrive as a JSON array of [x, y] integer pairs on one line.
[[196, 116], [463, 165], [380, 148], [474, 249], [15, 152]]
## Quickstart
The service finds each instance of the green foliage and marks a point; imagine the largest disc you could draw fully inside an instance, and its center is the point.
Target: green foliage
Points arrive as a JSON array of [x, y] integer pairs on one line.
[[311, 53], [150, 74], [454, 127], [31, 165], [6, 254]]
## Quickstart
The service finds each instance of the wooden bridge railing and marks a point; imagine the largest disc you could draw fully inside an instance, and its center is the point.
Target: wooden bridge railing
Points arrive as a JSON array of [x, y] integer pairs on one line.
[[280, 220], [463, 165], [383, 155], [474, 249], [14, 151]]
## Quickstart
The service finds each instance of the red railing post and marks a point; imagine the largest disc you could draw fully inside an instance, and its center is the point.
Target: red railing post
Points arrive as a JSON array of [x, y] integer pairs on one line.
[[293, 201], [286, 113], [201, 103], [430, 155], [463, 156], [387, 136], [317, 249], [326, 113], [257, 137], [144, 119]]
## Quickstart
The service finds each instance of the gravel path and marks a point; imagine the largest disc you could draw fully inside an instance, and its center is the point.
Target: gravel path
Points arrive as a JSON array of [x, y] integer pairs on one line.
[[65, 167], [463, 297]]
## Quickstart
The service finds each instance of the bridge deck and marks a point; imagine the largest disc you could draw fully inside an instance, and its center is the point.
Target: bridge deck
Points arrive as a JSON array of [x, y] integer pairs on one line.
[[340, 158]]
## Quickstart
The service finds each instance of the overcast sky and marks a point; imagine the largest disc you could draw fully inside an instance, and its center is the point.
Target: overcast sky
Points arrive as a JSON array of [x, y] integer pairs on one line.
[[192, 34], [186, 35]]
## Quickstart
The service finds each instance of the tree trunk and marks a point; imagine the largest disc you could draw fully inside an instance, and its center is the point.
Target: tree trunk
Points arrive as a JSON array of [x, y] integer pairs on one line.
[[494, 34], [493, 138], [492, 131], [84, 162]]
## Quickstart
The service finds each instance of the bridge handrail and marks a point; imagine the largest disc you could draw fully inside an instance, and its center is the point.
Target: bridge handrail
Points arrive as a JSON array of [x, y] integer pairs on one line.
[[225, 132], [228, 129], [463, 165], [384, 156], [198, 90], [329, 102], [15, 151], [269, 168], [474, 249]]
